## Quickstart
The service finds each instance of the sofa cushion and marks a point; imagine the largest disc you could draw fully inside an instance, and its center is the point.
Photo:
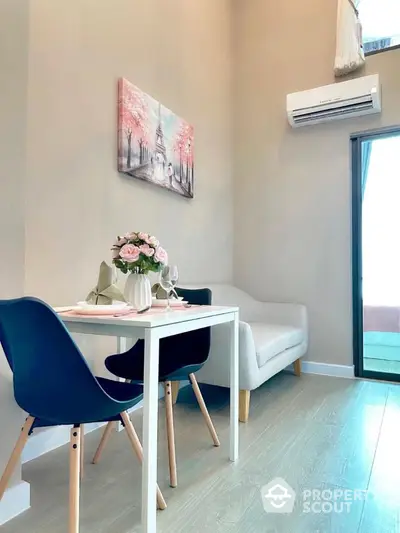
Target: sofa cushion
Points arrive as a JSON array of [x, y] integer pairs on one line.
[[272, 339]]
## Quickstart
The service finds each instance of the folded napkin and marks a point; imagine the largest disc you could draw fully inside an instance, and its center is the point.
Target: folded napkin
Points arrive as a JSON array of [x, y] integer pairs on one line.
[[160, 293], [105, 291]]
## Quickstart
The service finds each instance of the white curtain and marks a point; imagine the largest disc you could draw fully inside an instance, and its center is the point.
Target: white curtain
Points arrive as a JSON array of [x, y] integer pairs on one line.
[[349, 48]]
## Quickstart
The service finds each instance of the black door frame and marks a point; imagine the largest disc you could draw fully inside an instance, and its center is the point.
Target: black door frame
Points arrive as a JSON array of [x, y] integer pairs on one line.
[[356, 141]]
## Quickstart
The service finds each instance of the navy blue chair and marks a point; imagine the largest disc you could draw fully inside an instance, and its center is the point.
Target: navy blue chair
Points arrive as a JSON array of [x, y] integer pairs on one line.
[[54, 385], [180, 357]]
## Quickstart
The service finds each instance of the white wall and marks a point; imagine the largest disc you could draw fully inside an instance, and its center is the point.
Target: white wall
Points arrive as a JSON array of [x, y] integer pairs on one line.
[[293, 187], [13, 75], [13, 72], [77, 202], [62, 201]]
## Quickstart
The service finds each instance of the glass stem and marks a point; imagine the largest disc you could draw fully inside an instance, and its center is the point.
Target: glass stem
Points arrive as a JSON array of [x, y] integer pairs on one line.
[[168, 306]]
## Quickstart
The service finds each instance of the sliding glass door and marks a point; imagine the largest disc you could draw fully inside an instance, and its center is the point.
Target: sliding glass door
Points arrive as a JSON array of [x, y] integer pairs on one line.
[[376, 254]]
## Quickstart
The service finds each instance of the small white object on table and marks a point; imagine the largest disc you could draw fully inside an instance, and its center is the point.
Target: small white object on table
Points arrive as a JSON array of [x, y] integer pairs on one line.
[[153, 326]]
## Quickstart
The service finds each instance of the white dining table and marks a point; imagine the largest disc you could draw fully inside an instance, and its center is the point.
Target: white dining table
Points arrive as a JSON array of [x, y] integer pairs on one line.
[[153, 326]]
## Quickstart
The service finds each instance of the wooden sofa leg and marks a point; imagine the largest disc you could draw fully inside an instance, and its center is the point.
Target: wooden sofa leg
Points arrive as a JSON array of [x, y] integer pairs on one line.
[[244, 405], [297, 367]]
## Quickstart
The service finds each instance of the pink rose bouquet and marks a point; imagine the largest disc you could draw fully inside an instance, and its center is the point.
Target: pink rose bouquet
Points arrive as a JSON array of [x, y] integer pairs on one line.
[[138, 252]]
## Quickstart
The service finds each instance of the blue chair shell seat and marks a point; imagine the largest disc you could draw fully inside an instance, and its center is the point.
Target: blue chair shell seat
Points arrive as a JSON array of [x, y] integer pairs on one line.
[[180, 356], [130, 364], [123, 395], [55, 386]]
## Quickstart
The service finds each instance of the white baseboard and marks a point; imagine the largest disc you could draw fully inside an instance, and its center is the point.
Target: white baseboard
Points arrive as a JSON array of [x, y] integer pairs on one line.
[[15, 501], [327, 369]]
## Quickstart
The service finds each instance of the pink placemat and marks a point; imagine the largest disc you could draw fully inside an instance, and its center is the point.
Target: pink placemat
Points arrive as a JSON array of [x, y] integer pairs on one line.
[[152, 311]]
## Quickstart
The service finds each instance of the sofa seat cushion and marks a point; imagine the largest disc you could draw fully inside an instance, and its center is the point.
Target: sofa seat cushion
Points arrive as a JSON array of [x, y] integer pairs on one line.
[[272, 339]]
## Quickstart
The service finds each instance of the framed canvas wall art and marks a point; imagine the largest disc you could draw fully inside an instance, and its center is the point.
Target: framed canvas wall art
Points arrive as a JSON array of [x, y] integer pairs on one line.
[[154, 144]]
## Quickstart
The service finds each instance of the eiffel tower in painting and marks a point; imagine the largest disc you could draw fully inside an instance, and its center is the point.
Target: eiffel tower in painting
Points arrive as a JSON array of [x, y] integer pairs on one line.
[[160, 151]]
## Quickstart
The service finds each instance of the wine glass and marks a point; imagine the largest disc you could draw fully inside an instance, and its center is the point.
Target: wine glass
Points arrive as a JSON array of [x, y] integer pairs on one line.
[[174, 276], [168, 280]]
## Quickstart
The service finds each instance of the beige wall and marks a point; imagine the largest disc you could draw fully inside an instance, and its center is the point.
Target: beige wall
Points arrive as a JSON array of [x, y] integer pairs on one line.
[[13, 76], [61, 99], [293, 187], [176, 50]]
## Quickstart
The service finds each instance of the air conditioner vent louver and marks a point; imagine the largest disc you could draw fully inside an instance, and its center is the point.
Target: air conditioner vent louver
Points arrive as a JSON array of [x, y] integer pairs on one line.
[[341, 100], [345, 108]]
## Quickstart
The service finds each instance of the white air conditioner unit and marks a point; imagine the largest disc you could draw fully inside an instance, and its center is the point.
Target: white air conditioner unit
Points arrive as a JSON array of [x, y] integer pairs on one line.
[[347, 99]]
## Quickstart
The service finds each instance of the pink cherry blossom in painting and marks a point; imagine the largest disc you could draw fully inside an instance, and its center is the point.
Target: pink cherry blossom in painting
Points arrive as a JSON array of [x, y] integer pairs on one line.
[[154, 144]]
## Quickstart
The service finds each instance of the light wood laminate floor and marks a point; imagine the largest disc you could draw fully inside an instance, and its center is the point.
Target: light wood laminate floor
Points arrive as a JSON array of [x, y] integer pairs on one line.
[[315, 432]]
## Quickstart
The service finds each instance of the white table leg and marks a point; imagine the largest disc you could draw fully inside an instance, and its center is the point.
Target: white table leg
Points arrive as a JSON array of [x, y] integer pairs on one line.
[[121, 344], [121, 348], [234, 399], [150, 425]]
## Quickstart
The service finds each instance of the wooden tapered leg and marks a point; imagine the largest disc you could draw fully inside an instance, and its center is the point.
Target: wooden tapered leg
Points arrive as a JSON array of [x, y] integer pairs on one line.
[[103, 442], [137, 448], [15, 455], [297, 367], [173, 480], [74, 481], [174, 391], [82, 451], [204, 409], [244, 405]]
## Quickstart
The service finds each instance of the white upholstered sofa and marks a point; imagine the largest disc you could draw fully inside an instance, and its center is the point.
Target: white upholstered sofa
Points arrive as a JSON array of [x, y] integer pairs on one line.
[[271, 337]]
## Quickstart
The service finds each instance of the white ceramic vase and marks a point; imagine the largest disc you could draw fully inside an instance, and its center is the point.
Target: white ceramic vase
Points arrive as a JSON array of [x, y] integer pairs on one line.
[[138, 291]]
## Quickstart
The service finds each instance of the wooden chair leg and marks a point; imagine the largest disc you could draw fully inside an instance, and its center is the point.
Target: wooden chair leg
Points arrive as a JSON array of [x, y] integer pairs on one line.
[[137, 448], [204, 409], [297, 367], [244, 405], [82, 451], [174, 391], [15, 455], [173, 481], [103, 442], [74, 481]]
